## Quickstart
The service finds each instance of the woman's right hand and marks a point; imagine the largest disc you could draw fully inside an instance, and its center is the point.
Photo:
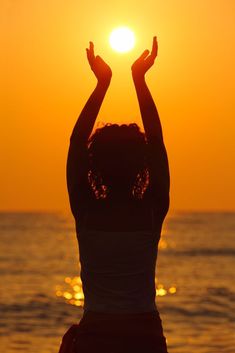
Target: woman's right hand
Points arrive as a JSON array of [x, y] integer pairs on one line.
[[145, 61], [101, 70]]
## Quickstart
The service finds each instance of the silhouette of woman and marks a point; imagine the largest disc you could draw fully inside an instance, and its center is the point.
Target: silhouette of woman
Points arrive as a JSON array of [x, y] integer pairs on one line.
[[118, 184]]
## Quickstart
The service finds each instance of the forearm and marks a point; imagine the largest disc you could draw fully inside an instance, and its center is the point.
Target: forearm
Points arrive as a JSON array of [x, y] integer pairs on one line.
[[77, 161], [149, 113], [86, 120]]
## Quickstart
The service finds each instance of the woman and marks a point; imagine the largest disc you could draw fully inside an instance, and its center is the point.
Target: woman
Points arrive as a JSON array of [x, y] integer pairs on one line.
[[118, 184]]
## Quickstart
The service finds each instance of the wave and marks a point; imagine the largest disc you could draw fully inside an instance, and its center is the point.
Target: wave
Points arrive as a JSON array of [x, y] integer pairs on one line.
[[200, 313], [35, 315], [203, 252]]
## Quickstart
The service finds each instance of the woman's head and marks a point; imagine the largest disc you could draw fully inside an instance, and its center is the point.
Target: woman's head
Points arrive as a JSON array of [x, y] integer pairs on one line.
[[118, 160]]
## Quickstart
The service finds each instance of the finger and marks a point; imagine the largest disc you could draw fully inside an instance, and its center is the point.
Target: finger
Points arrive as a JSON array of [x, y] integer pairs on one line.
[[90, 53], [89, 56], [143, 55], [154, 48], [92, 48]]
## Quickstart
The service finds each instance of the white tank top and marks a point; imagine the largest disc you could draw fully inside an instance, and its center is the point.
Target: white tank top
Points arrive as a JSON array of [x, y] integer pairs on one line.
[[118, 270]]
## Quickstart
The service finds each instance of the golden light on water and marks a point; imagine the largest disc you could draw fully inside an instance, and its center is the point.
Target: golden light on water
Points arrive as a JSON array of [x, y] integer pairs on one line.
[[161, 291], [122, 39], [74, 295], [77, 288], [79, 296], [67, 280], [162, 244], [67, 295], [172, 290]]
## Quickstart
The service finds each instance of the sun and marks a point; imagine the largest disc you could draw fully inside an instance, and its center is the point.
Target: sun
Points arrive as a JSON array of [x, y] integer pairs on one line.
[[122, 39]]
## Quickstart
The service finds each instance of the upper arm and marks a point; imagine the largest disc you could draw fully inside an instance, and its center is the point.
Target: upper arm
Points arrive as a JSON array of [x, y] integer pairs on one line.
[[159, 178], [79, 190]]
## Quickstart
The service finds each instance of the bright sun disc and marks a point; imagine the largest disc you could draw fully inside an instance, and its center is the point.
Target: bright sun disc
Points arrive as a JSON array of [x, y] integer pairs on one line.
[[122, 39]]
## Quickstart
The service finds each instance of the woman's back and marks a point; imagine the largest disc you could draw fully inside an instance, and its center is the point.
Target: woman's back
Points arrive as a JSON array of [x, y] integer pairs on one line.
[[118, 184], [122, 215], [118, 270], [118, 250]]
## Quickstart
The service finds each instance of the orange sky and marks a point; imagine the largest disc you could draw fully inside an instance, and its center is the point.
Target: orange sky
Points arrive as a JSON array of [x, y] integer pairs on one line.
[[45, 81]]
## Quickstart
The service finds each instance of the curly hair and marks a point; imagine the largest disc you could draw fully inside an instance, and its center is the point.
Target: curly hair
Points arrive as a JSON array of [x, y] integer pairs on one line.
[[118, 154]]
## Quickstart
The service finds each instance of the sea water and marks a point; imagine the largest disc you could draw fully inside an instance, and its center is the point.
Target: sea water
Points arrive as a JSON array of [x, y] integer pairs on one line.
[[41, 293]]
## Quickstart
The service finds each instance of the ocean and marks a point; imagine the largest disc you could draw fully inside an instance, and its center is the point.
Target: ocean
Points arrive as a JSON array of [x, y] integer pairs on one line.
[[41, 294]]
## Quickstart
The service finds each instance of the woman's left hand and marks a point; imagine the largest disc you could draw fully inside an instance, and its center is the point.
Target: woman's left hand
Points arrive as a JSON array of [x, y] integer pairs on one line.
[[101, 70], [145, 61]]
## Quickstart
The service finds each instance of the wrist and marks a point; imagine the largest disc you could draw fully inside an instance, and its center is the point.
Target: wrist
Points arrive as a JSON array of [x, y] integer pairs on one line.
[[138, 79], [103, 84]]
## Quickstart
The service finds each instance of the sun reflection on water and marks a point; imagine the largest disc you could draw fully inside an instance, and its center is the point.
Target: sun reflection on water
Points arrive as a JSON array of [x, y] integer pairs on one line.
[[73, 293], [162, 244]]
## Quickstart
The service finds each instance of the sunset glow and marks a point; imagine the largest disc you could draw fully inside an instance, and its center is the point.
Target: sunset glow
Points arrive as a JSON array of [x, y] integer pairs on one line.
[[46, 81]]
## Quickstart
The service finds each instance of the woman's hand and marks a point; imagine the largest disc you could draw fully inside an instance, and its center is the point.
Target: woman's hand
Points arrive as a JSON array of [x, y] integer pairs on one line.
[[101, 70], [145, 61]]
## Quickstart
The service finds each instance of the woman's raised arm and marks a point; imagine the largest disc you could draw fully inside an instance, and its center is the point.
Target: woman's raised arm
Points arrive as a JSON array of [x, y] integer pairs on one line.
[[159, 182], [77, 162], [86, 119], [149, 113]]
